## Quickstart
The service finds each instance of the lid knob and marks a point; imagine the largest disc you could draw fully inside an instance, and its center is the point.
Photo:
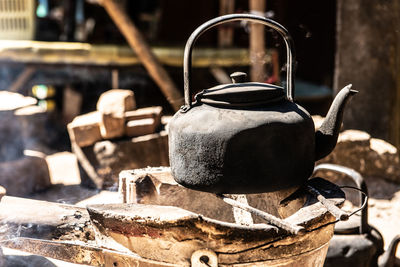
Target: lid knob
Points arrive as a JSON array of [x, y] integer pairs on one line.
[[238, 77]]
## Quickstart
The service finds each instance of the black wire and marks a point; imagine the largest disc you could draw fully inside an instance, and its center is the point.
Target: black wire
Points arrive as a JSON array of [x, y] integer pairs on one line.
[[362, 192]]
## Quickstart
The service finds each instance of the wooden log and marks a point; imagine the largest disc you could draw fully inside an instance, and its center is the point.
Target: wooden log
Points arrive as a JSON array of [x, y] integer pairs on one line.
[[143, 51], [43, 220], [257, 43]]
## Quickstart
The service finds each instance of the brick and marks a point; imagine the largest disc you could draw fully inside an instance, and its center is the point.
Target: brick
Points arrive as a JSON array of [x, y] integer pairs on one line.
[[84, 130], [116, 101]]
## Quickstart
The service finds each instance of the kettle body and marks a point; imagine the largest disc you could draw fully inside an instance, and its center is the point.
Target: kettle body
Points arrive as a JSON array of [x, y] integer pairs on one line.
[[253, 150]]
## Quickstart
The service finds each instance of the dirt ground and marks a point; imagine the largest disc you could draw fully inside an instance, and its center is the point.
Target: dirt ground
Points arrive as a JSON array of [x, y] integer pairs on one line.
[[384, 204]]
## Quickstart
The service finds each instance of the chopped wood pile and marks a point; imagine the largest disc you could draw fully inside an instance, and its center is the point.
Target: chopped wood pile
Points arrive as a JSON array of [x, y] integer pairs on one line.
[[116, 116], [117, 136]]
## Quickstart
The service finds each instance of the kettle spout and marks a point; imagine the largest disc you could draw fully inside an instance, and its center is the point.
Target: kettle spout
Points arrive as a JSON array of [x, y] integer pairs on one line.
[[327, 135]]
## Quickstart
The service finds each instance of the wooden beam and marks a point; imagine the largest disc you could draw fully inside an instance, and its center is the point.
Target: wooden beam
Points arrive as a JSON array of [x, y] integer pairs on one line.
[[143, 51], [257, 43], [113, 56], [225, 32]]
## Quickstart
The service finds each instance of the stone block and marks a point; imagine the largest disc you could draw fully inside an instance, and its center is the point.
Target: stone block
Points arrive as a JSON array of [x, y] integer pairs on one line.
[[116, 101], [84, 130], [24, 176], [369, 156]]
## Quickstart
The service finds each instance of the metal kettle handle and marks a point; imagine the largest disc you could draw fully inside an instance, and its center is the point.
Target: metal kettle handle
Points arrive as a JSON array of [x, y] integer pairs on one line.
[[187, 60], [359, 180]]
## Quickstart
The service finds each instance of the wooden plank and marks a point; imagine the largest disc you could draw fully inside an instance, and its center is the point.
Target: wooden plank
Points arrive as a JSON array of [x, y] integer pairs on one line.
[[144, 53], [84, 54]]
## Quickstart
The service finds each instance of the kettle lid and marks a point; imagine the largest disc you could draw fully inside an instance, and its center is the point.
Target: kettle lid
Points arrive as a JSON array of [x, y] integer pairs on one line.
[[241, 94]]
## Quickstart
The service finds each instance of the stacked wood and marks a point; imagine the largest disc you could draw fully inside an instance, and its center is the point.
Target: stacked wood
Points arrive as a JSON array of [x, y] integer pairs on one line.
[[116, 116], [102, 140]]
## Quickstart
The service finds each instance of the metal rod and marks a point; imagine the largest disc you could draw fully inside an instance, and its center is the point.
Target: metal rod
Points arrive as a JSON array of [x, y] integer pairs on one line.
[[329, 205], [291, 228], [359, 181]]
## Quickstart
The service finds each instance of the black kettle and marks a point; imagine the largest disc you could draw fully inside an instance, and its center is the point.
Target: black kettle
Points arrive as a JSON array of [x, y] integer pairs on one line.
[[248, 137]]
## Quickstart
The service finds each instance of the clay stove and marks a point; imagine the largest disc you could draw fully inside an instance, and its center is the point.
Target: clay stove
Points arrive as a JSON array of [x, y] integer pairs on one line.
[[161, 223]]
